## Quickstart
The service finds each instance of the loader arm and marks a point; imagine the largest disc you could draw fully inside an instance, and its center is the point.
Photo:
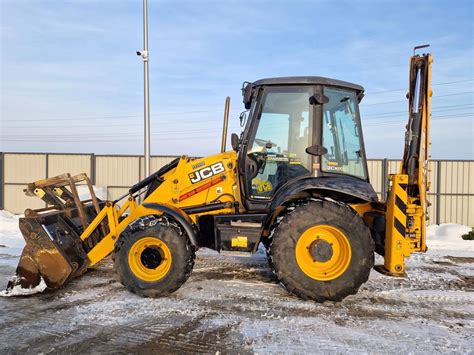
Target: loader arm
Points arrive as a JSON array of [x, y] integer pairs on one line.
[[69, 236], [406, 206]]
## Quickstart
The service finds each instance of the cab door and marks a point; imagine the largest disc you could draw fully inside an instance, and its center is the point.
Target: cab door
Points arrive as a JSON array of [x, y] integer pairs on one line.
[[275, 151]]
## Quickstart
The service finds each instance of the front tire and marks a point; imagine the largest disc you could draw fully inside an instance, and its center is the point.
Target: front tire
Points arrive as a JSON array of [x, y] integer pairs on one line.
[[155, 261], [322, 251]]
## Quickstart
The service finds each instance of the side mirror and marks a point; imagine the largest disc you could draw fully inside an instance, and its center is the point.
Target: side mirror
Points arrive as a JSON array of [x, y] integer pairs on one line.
[[318, 99], [316, 150], [235, 141]]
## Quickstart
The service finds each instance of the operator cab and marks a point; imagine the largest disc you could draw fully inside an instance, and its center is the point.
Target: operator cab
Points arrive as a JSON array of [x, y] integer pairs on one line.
[[298, 128]]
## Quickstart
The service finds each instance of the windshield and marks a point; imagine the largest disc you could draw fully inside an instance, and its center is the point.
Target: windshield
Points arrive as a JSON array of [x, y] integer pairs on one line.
[[342, 135]]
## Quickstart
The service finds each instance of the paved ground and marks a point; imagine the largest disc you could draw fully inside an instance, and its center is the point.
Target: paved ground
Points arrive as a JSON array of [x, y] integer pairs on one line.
[[235, 305]]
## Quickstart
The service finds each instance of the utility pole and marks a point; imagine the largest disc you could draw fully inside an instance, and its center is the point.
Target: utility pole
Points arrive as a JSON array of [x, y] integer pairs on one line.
[[146, 111]]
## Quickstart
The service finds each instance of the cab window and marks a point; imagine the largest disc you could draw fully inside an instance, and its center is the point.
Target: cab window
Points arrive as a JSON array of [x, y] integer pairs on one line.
[[342, 135], [282, 135]]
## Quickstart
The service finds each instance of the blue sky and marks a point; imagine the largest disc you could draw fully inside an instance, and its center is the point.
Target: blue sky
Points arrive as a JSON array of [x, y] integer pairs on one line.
[[71, 82]]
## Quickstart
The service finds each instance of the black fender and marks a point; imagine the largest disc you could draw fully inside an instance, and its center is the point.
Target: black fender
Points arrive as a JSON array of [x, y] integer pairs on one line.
[[347, 189], [342, 188], [181, 217]]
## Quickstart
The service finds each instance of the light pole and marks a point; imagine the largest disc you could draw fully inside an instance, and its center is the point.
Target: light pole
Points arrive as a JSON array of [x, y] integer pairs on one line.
[[146, 110]]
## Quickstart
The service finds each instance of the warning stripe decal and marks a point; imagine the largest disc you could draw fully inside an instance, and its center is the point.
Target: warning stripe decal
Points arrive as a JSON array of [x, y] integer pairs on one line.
[[401, 205], [399, 227], [400, 211]]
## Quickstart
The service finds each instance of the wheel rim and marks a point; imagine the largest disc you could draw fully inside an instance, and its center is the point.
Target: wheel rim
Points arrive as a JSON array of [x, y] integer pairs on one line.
[[323, 252], [149, 259]]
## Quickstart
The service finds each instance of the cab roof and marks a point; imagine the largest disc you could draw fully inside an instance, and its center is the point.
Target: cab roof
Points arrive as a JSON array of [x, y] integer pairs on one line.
[[309, 80]]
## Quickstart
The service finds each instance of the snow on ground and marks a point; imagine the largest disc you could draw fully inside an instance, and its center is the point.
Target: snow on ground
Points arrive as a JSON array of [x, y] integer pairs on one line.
[[447, 236], [10, 235], [234, 304], [17, 290]]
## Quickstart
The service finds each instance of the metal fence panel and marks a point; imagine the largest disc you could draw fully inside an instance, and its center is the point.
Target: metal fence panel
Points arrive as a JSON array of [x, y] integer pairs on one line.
[[432, 193], [24, 168], [16, 201], [457, 177], [375, 175], [71, 163], [393, 166], [2, 181], [117, 170], [155, 164], [19, 170], [456, 191], [114, 192], [454, 209]]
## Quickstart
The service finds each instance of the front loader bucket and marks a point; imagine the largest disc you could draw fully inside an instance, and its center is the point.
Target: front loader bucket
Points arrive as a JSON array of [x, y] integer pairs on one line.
[[55, 260], [54, 252], [40, 258]]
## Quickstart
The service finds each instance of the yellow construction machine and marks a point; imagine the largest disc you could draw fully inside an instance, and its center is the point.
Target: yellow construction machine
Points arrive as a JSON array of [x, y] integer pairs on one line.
[[295, 180]]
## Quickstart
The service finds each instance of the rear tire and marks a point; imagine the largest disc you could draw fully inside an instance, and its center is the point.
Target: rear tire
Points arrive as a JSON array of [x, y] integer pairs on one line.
[[322, 251], [155, 261]]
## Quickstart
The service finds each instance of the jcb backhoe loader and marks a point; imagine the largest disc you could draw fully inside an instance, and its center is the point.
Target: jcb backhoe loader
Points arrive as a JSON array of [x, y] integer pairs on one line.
[[296, 181]]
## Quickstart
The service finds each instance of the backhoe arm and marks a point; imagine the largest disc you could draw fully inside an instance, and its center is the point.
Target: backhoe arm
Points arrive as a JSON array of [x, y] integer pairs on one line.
[[406, 212]]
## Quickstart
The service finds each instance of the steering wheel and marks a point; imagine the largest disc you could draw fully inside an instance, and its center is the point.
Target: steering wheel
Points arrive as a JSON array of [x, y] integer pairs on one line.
[[260, 160], [260, 157], [264, 143]]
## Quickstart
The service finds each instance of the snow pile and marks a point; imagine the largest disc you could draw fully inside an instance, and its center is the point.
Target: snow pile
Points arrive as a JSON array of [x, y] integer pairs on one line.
[[17, 290], [84, 194], [448, 236], [10, 235], [446, 232]]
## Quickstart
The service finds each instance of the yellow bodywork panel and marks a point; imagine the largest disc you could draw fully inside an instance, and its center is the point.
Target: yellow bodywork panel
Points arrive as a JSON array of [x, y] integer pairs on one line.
[[239, 242], [405, 223], [396, 244], [200, 181], [193, 182], [362, 208]]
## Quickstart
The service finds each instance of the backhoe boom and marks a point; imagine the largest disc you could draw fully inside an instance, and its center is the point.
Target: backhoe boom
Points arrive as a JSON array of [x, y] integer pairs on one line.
[[406, 209]]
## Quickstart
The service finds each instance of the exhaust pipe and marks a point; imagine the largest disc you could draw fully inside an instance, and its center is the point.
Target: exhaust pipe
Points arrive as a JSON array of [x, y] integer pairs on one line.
[[226, 124]]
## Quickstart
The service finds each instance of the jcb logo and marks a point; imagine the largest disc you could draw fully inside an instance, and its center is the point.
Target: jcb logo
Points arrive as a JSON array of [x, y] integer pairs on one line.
[[206, 172]]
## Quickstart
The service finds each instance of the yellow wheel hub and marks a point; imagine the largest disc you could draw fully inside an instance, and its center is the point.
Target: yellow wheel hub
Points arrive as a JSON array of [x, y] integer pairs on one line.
[[149, 259], [323, 252]]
